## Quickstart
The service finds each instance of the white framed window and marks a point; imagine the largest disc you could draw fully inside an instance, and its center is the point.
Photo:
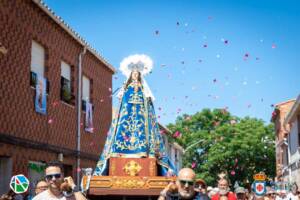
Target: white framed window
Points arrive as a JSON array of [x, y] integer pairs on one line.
[[37, 58], [65, 70], [86, 84], [65, 90]]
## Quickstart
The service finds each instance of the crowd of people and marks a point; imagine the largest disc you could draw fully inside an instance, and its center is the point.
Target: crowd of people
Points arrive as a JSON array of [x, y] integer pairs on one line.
[[53, 187], [188, 187], [57, 187]]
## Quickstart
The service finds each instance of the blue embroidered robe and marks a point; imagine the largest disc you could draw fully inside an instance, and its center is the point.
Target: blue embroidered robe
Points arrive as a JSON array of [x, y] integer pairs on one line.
[[134, 132]]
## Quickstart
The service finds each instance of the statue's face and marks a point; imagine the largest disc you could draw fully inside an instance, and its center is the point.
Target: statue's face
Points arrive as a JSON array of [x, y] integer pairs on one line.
[[135, 75]]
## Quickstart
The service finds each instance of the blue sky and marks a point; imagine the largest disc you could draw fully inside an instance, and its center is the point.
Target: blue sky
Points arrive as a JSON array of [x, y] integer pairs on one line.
[[251, 58]]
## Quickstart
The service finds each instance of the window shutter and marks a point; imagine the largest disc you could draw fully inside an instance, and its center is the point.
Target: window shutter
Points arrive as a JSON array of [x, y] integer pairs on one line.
[[65, 70], [37, 58], [85, 88]]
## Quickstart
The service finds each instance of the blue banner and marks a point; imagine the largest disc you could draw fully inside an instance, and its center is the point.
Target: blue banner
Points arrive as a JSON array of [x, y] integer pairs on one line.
[[89, 117], [40, 95]]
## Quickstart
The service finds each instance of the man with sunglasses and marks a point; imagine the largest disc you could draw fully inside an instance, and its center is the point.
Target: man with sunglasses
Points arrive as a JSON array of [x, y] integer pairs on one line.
[[185, 187], [54, 177]]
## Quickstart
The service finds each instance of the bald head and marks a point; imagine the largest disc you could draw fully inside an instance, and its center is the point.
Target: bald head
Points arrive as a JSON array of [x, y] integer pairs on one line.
[[186, 174], [185, 182]]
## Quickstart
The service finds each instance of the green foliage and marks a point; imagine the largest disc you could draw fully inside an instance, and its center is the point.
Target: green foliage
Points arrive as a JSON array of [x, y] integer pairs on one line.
[[219, 142]]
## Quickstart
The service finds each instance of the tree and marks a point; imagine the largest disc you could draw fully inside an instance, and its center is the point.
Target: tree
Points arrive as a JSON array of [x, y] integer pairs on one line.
[[221, 142]]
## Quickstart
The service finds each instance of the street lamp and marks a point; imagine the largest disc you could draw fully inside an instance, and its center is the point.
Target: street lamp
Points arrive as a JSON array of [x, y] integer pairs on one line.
[[190, 146]]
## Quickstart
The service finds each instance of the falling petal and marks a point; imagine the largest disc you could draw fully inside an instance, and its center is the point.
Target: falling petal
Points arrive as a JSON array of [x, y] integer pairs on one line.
[[194, 165]]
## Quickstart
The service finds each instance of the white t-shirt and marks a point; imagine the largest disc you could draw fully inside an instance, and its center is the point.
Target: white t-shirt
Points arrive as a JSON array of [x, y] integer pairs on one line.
[[47, 196], [291, 196]]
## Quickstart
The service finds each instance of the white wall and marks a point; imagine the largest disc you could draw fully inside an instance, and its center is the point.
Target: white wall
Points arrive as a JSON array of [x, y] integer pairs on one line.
[[293, 142]]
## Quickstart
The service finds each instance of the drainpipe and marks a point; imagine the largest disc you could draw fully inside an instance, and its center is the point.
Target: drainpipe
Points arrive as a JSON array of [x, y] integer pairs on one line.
[[79, 115], [289, 159]]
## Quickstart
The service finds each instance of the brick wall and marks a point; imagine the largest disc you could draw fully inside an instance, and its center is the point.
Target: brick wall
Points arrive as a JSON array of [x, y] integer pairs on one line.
[[281, 133], [22, 21]]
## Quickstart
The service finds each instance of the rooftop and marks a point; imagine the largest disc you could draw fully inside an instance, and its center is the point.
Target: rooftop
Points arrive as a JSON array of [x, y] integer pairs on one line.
[[72, 33]]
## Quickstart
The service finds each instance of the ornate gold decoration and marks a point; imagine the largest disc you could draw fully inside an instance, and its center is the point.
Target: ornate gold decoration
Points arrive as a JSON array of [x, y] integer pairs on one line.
[[129, 183], [132, 168], [152, 167], [158, 183]]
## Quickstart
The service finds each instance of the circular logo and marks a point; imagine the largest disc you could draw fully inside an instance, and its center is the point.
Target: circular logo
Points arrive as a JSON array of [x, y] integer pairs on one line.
[[19, 183]]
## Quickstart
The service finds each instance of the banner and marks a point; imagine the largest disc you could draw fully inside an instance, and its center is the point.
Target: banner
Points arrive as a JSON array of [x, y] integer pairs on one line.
[[40, 95], [89, 117]]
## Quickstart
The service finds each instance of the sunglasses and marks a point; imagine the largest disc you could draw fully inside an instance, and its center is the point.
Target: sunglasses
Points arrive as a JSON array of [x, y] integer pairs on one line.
[[183, 182], [51, 176]]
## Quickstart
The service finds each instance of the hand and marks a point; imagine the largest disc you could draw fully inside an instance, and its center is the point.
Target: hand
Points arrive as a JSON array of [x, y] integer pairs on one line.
[[70, 182], [68, 185]]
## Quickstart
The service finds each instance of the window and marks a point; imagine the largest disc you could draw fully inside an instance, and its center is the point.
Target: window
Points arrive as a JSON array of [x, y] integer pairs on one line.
[[285, 155], [37, 58], [37, 66], [5, 173], [66, 89], [85, 91]]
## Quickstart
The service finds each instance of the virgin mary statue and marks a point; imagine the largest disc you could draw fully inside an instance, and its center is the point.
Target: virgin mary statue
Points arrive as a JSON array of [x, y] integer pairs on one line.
[[134, 131]]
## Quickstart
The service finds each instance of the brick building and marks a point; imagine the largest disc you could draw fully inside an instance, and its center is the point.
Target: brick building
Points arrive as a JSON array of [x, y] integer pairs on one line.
[[292, 124], [34, 41], [282, 151]]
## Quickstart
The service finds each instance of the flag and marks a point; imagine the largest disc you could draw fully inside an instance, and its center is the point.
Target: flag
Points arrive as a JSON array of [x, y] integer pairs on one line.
[[40, 95]]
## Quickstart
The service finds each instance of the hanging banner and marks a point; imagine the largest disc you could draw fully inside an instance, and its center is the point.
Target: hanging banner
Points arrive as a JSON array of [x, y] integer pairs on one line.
[[40, 95], [89, 117]]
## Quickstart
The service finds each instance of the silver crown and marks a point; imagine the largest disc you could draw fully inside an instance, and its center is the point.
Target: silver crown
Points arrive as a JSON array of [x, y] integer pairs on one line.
[[139, 66]]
